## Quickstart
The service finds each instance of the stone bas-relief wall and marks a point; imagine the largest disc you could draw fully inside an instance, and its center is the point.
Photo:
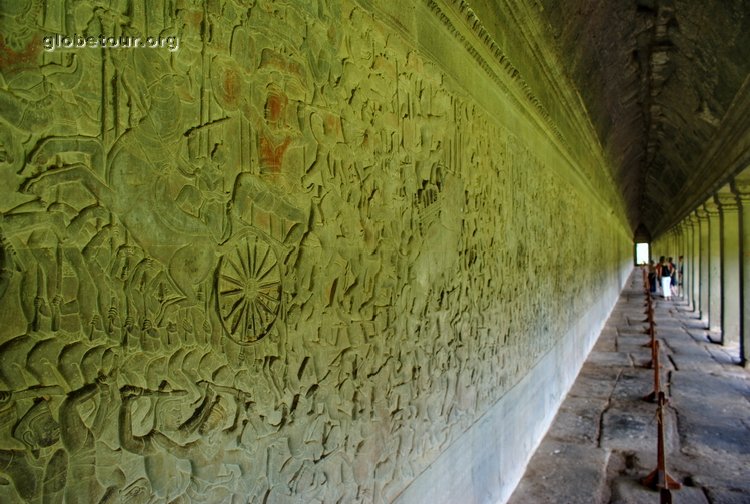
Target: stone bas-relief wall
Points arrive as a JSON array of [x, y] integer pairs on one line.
[[288, 261]]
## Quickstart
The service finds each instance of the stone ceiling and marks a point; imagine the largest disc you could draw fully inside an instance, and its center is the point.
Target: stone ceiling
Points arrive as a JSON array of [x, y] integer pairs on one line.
[[665, 83]]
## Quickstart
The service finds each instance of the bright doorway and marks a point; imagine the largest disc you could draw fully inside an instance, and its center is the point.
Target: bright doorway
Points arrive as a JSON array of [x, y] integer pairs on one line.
[[641, 253]]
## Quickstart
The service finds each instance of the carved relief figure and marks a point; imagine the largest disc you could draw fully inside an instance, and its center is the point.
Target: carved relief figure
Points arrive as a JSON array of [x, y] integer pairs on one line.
[[300, 204], [38, 432], [207, 455]]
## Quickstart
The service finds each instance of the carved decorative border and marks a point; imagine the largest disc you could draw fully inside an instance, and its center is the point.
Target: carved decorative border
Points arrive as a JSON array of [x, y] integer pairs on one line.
[[512, 73], [537, 113]]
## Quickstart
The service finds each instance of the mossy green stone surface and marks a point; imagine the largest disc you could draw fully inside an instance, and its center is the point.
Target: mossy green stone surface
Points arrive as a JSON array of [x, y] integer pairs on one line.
[[294, 259]]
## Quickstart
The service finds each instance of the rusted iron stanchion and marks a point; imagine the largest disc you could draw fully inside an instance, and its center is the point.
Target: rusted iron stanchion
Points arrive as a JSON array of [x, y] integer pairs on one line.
[[665, 496], [659, 479], [649, 318], [649, 307], [651, 331], [657, 372], [649, 312]]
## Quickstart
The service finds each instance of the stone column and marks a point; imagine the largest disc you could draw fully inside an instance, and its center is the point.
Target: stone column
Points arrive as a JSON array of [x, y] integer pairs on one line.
[[680, 263], [669, 244], [685, 252], [742, 190], [730, 267], [702, 274], [689, 269], [714, 266]]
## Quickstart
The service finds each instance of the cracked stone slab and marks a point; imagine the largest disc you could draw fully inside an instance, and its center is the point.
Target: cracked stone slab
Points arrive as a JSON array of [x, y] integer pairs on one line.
[[633, 384], [594, 381], [639, 328], [716, 472], [578, 420], [690, 358], [564, 472], [633, 426], [634, 345], [725, 431]]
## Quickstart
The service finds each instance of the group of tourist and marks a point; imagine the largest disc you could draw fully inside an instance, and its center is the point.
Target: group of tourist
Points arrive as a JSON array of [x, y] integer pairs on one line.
[[663, 277]]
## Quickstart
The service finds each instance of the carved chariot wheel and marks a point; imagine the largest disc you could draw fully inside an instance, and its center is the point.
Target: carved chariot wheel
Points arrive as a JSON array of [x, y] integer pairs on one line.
[[248, 289]]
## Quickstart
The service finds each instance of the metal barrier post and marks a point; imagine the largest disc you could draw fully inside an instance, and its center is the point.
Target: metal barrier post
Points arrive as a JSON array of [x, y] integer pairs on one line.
[[659, 478]]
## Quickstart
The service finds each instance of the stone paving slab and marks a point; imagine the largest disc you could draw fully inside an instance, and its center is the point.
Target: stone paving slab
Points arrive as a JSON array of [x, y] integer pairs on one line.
[[720, 355], [724, 430], [663, 326], [641, 336], [690, 357], [634, 332], [554, 466], [578, 420], [594, 382], [610, 358], [605, 422], [629, 490], [694, 324], [608, 344], [642, 360], [633, 426], [639, 322], [722, 477], [699, 335], [722, 496], [634, 346], [633, 384]]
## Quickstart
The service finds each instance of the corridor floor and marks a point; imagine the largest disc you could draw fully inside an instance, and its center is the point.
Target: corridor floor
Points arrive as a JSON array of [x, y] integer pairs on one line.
[[604, 437]]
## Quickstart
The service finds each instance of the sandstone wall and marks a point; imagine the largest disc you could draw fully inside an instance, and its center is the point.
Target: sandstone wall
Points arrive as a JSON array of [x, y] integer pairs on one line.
[[300, 253]]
